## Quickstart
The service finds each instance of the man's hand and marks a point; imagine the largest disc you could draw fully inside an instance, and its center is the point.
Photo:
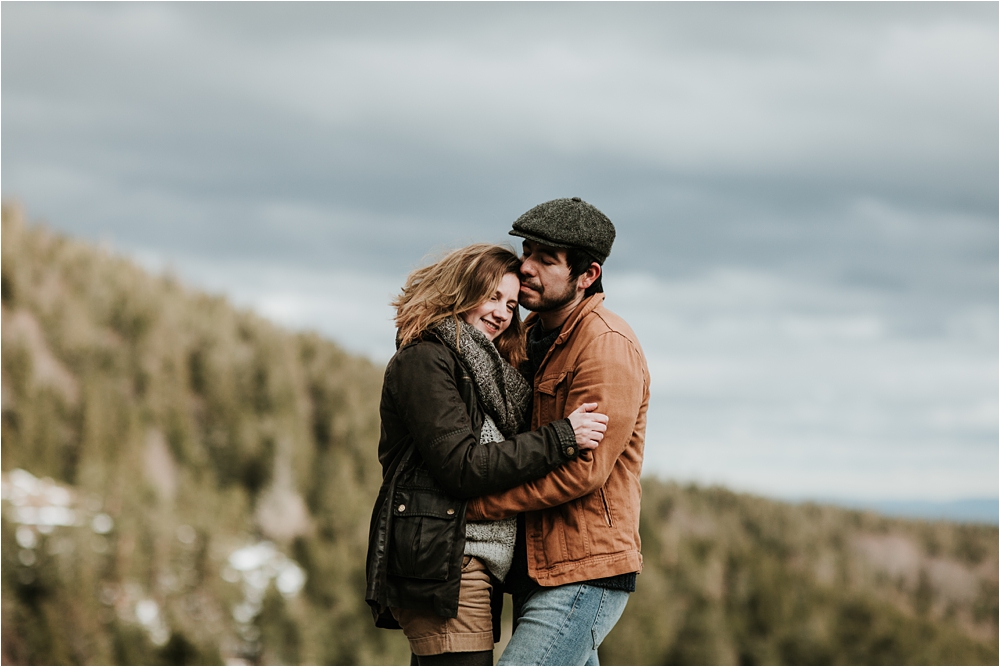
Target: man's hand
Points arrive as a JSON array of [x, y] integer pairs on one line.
[[588, 426]]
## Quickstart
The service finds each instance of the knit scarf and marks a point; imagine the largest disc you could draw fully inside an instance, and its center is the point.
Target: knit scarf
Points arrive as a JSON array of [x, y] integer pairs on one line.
[[503, 392]]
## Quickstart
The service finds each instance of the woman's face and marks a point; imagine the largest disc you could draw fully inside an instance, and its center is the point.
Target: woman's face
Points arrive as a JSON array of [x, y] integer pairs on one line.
[[493, 316]]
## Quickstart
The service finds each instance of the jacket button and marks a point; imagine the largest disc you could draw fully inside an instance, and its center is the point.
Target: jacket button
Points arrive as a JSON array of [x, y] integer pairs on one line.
[[401, 508], [570, 451], [450, 511]]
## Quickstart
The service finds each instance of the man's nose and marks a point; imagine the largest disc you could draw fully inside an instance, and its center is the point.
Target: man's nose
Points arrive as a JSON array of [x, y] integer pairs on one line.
[[526, 268]]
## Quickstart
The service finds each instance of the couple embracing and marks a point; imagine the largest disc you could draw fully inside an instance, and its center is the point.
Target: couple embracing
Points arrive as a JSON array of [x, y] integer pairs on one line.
[[511, 452]]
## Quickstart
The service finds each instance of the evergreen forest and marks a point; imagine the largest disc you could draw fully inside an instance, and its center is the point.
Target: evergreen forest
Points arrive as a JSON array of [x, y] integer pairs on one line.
[[185, 482]]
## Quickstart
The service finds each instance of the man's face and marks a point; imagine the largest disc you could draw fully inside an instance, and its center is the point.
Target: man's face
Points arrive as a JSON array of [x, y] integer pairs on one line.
[[545, 281]]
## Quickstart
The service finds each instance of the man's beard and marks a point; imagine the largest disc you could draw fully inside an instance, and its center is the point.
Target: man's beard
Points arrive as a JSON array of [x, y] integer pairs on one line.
[[546, 303]]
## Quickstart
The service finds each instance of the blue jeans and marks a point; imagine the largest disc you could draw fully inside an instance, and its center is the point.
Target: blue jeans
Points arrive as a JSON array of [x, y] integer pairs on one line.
[[563, 625]]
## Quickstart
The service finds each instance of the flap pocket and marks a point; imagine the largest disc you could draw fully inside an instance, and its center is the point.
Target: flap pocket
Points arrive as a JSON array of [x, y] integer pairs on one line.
[[419, 502], [547, 385], [423, 538]]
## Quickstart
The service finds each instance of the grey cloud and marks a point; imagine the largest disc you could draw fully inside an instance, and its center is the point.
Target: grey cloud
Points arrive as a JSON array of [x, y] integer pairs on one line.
[[275, 151]]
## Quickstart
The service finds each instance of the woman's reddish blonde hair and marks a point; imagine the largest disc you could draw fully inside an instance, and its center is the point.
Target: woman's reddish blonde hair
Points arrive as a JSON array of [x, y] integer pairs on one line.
[[454, 285]]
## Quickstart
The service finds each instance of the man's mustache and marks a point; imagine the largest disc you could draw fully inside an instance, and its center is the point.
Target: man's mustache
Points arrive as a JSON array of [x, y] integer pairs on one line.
[[530, 285]]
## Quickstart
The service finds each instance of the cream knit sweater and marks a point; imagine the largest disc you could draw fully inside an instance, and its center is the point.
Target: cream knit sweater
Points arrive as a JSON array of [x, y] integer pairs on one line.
[[492, 541]]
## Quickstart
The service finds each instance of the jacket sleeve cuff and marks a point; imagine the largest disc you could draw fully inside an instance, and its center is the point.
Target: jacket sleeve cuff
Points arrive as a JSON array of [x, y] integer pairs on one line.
[[474, 510], [567, 439]]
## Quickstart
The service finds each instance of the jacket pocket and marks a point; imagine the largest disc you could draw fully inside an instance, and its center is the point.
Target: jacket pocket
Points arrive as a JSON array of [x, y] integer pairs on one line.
[[607, 507], [423, 534], [551, 397], [547, 385]]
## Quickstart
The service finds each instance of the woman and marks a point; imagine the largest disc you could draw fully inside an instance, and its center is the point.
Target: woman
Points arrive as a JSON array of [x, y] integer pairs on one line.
[[453, 410]]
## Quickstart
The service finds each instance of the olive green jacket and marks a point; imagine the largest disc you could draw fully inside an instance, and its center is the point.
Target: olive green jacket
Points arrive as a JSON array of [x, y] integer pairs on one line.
[[432, 460]]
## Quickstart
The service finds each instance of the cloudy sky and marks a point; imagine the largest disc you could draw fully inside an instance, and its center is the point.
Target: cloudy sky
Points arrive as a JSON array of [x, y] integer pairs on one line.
[[806, 195]]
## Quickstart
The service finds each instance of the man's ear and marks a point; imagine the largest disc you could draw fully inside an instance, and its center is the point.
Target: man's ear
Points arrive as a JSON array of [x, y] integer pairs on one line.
[[589, 277]]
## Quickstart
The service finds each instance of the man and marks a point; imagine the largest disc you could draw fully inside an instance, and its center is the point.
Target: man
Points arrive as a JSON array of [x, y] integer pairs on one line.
[[577, 550]]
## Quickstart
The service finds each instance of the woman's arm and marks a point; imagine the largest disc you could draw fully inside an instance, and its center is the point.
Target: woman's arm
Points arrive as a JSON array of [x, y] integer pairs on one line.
[[427, 398]]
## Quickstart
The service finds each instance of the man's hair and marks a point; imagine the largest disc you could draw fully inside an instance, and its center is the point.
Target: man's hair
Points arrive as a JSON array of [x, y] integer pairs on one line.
[[453, 286], [579, 260]]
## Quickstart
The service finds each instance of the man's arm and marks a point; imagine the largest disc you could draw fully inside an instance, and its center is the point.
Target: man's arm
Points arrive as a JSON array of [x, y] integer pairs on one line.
[[609, 372]]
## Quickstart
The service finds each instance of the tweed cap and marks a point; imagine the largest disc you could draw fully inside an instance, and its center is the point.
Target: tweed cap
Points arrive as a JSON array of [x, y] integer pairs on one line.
[[568, 223]]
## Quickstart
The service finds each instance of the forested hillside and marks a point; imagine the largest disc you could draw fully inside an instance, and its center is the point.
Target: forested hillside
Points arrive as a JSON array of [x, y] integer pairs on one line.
[[185, 482]]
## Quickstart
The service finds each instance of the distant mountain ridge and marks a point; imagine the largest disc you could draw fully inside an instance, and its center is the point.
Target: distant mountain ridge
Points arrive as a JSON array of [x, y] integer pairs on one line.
[[186, 483], [965, 510]]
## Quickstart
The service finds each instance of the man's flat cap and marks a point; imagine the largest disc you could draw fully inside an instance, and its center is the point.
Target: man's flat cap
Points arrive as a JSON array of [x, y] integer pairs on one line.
[[568, 223]]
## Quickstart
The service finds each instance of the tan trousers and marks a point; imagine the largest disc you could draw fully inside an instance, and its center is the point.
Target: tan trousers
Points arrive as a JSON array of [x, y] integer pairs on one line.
[[471, 630]]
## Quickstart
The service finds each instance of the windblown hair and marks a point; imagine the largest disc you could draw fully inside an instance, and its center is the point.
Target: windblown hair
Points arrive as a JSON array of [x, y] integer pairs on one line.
[[453, 286]]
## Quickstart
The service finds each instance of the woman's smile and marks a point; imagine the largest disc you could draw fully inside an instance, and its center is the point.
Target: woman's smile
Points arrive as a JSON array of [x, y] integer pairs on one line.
[[493, 327]]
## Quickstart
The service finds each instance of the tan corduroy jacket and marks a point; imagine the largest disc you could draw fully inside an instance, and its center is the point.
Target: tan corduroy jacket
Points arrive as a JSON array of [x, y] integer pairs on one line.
[[582, 520]]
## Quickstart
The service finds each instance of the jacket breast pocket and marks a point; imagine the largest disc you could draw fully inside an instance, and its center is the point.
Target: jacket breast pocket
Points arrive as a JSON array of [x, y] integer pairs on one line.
[[423, 533], [551, 397]]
